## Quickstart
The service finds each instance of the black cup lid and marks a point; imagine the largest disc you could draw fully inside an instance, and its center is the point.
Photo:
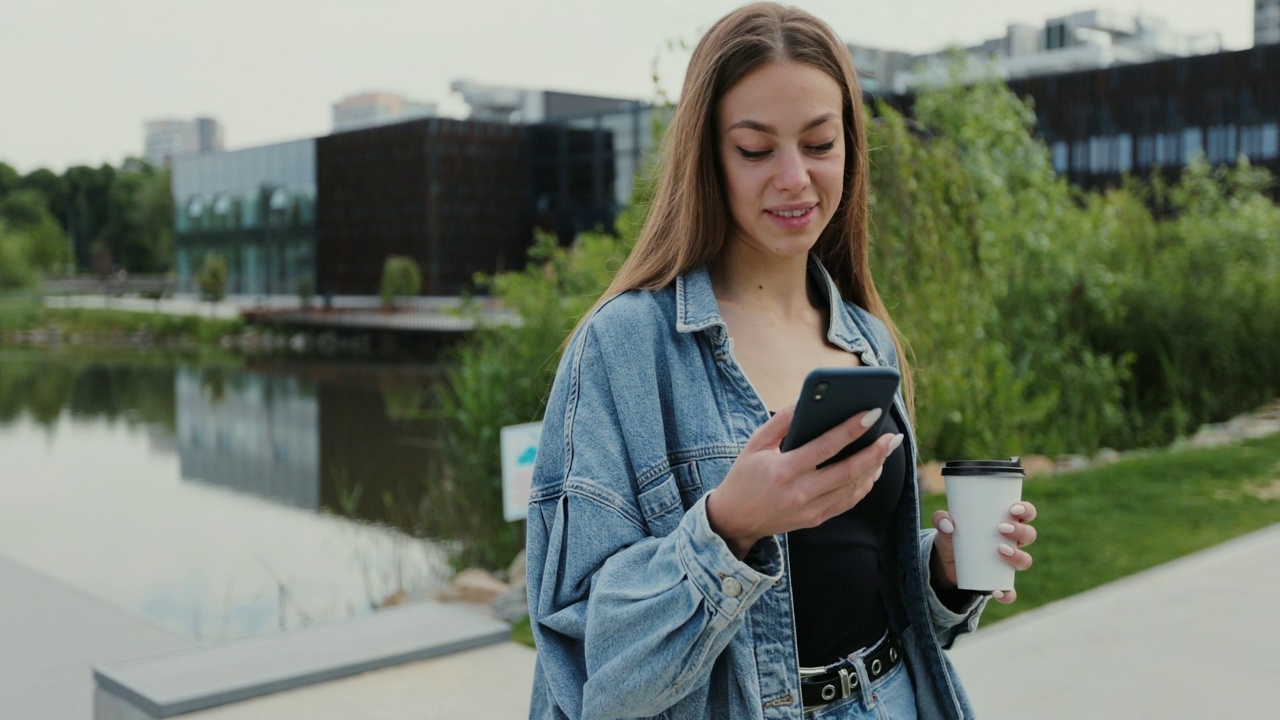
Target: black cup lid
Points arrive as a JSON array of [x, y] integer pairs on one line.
[[1012, 466]]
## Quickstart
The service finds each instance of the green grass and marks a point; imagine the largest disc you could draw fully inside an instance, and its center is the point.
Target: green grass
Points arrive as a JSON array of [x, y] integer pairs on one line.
[[26, 314], [1102, 524]]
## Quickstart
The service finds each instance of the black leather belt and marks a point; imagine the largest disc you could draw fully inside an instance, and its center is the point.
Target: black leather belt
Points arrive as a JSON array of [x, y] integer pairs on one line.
[[820, 686]]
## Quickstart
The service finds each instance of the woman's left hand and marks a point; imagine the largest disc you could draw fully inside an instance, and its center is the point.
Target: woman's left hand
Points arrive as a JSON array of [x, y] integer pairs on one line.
[[1016, 530]]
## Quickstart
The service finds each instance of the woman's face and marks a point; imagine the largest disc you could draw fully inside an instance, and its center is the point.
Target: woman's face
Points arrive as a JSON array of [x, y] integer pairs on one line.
[[781, 135]]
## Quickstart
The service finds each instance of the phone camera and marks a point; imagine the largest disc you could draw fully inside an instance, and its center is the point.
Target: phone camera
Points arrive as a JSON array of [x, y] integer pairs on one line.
[[820, 391]]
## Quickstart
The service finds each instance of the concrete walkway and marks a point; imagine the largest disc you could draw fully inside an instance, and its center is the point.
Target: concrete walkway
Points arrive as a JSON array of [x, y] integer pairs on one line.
[[50, 637], [1193, 638]]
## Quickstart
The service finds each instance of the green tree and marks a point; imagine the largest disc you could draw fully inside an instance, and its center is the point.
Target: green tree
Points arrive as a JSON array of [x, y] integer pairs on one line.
[[401, 277], [44, 245], [211, 278], [10, 180]]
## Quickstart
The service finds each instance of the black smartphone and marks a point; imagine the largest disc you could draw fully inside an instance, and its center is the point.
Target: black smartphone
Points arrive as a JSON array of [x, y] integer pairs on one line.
[[832, 395]]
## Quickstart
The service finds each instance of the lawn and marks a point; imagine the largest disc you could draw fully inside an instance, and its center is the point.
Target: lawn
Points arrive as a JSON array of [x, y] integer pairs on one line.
[[1102, 524]]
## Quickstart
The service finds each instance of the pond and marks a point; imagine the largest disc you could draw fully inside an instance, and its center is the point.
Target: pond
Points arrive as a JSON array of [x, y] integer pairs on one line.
[[229, 497]]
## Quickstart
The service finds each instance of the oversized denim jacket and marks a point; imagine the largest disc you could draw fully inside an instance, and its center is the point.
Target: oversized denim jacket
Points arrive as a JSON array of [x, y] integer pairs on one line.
[[638, 608]]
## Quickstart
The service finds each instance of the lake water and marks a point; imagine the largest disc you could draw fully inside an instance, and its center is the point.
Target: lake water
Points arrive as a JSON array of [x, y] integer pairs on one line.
[[222, 499]]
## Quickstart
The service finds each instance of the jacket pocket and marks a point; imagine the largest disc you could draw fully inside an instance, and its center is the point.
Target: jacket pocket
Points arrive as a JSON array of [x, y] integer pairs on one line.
[[664, 503]]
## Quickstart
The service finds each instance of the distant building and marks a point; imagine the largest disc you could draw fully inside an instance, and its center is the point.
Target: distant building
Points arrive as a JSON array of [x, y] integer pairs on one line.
[[1080, 41], [377, 108], [459, 196], [170, 138], [1101, 125], [1266, 22], [254, 207]]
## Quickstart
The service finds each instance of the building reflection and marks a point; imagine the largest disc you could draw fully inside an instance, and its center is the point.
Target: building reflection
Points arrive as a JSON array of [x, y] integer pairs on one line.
[[358, 442], [250, 432]]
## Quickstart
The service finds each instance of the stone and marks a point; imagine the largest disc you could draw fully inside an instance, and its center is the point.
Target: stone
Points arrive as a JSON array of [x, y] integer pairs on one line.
[[1106, 456], [931, 482], [475, 586], [1071, 463], [516, 572], [1038, 466], [512, 605]]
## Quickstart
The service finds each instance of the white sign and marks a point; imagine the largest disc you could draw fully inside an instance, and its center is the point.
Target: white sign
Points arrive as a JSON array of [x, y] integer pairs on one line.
[[519, 451]]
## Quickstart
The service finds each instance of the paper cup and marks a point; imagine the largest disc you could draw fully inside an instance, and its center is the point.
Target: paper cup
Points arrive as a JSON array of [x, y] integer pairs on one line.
[[979, 495]]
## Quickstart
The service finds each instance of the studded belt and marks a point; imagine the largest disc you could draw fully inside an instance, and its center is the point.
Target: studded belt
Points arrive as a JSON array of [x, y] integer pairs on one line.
[[819, 686]]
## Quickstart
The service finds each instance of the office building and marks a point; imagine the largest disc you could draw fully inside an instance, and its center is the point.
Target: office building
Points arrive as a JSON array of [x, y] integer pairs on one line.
[[1102, 124], [377, 108], [256, 208], [170, 138], [1071, 43], [1266, 22], [458, 196]]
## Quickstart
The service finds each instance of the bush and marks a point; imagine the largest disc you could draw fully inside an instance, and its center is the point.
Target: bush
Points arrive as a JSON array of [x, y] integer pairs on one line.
[[211, 278], [400, 278]]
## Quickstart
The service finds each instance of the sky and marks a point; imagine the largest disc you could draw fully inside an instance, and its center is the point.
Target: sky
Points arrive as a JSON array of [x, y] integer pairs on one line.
[[79, 77]]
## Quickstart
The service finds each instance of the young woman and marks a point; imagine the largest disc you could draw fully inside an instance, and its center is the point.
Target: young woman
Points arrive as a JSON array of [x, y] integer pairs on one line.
[[680, 564]]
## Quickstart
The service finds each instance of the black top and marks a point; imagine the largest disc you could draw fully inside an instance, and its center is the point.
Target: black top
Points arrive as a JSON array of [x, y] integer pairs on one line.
[[835, 570]]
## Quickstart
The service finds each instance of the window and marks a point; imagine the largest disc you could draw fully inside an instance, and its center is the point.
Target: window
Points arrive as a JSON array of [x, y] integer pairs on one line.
[[1080, 155], [1124, 153], [1191, 144], [1059, 152], [1147, 150], [1222, 143]]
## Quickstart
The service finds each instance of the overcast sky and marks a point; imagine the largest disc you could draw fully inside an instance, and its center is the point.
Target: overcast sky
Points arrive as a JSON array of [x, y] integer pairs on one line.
[[78, 77]]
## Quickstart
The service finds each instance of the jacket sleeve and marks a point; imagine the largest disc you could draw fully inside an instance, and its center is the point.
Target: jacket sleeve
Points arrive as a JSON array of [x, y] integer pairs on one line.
[[947, 623], [631, 597]]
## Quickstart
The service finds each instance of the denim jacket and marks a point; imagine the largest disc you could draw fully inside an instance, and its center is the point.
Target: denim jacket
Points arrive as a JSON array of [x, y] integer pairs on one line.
[[638, 608]]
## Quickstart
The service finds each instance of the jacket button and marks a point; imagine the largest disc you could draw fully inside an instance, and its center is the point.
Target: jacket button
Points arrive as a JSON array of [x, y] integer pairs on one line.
[[731, 586]]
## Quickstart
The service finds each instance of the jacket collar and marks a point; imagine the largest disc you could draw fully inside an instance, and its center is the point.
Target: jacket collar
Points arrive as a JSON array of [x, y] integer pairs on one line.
[[697, 309]]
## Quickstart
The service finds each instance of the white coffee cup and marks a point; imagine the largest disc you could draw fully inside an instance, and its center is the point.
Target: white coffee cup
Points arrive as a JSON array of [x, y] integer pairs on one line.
[[979, 496]]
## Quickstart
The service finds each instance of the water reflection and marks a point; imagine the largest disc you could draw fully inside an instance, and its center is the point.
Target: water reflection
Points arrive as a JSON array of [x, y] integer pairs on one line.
[[190, 493], [251, 432]]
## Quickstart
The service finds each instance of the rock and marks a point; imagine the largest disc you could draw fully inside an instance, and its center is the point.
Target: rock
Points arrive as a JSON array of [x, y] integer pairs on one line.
[[1106, 456], [1071, 463], [475, 586], [931, 481], [516, 573], [1038, 465], [399, 597], [511, 605]]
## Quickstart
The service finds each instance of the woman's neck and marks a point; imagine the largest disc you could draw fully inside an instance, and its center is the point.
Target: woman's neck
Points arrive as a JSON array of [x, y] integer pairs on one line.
[[767, 287]]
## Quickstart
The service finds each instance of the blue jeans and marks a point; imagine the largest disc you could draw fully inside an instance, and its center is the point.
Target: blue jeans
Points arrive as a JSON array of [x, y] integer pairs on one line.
[[890, 697]]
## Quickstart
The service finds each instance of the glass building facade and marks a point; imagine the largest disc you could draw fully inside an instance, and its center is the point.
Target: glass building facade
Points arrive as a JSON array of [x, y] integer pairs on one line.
[[256, 209]]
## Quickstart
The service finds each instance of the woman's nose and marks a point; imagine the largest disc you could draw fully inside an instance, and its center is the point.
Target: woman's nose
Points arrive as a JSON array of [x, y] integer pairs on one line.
[[792, 174]]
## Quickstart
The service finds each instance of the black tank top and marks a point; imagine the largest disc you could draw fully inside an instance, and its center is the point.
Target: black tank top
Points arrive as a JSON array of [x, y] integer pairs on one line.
[[835, 570]]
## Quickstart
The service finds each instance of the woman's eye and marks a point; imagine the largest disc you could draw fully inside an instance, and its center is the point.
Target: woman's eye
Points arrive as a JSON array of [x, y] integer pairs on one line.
[[753, 154], [823, 147]]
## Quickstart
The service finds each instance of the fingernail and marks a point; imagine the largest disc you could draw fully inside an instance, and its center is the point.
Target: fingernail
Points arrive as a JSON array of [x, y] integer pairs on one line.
[[1005, 527], [895, 442], [1006, 550], [876, 477], [871, 417], [1018, 509], [946, 526], [997, 594]]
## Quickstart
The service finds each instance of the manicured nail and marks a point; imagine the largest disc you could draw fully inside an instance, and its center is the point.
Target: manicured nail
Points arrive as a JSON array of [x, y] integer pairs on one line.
[[1005, 527], [1018, 509], [895, 442], [871, 417], [946, 526], [997, 594], [1006, 550], [879, 471]]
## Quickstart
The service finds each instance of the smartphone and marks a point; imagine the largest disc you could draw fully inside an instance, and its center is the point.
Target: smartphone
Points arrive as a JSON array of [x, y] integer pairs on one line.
[[832, 395]]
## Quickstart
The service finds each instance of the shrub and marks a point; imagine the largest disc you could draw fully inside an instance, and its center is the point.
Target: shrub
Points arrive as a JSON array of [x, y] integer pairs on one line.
[[400, 278], [211, 278]]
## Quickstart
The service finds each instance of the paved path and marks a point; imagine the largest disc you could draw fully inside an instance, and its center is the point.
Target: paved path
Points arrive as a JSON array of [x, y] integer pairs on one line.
[[1195, 638], [50, 637]]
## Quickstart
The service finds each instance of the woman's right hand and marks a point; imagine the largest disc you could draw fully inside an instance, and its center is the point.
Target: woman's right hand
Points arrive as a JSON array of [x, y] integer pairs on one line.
[[768, 491]]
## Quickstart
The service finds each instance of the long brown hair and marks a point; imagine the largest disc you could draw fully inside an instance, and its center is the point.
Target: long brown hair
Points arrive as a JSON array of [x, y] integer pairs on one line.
[[689, 219]]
